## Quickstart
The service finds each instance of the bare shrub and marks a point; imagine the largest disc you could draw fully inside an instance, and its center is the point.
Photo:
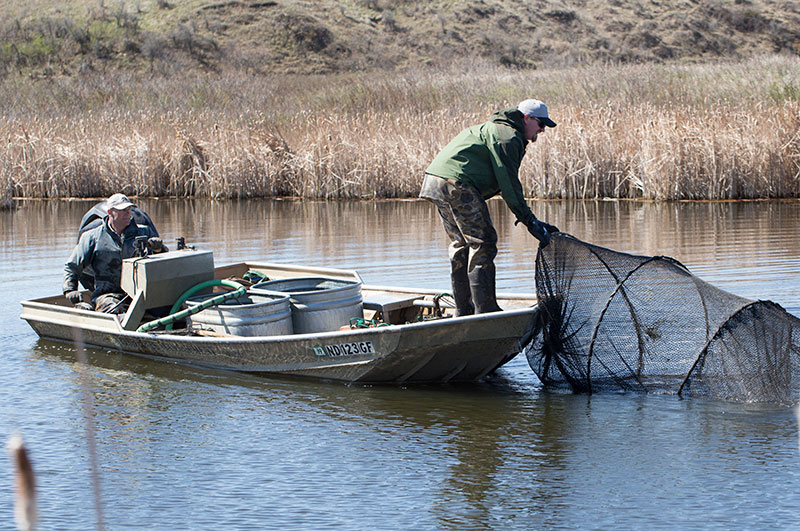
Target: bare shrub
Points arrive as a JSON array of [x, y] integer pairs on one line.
[[305, 32], [153, 47], [388, 19], [564, 16], [186, 38], [124, 19]]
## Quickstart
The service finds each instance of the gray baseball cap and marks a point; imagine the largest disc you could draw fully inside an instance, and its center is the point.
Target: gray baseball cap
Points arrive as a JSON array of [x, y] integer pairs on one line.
[[537, 109]]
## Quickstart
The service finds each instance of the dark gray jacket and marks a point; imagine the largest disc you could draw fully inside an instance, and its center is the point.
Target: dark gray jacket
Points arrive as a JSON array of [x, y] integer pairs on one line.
[[102, 250]]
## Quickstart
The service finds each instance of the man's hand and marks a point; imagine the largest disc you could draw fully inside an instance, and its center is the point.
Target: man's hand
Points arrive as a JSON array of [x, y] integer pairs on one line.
[[540, 230], [155, 245], [552, 229], [73, 296]]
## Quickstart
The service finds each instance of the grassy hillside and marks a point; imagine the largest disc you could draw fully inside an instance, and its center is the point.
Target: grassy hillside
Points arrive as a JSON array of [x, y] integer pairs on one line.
[[44, 38]]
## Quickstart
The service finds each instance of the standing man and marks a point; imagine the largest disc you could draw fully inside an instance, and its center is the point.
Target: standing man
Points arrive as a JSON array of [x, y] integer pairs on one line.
[[103, 249], [482, 161]]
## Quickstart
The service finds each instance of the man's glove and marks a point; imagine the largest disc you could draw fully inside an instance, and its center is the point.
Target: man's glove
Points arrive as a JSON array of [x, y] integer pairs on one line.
[[552, 229], [540, 230], [155, 245], [73, 296]]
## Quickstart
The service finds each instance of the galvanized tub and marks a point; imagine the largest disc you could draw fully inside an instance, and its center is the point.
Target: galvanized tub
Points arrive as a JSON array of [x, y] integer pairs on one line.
[[254, 314], [319, 304]]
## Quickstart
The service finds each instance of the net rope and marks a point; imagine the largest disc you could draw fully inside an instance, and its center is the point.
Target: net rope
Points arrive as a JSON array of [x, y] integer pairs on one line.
[[615, 321]]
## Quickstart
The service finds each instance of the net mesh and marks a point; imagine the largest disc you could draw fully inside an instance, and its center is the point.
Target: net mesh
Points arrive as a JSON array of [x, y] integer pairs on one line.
[[611, 320]]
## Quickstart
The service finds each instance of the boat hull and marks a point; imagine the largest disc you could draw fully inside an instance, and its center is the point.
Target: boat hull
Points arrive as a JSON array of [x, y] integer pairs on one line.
[[442, 350]]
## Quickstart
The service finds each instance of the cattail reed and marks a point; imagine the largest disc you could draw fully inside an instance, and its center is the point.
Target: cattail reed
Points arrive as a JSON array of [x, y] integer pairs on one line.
[[24, 485], [662, 132]]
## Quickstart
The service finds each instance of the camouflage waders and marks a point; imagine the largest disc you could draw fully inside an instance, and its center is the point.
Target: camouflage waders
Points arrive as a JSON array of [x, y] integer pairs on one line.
[[113, 303], [473, 243]]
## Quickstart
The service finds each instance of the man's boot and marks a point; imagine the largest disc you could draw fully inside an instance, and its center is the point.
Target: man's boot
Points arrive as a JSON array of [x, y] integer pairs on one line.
[[482, 285], [460, 281], [462, 297]]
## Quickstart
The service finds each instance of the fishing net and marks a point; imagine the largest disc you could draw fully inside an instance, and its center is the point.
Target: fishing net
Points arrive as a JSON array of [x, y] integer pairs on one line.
[[611, 320]]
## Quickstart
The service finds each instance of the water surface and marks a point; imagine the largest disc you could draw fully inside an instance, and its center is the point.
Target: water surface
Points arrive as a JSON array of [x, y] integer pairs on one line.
[[186, 448]]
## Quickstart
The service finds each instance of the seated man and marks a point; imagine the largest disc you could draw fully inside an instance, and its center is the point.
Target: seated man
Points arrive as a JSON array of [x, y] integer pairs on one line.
[[102, 249]]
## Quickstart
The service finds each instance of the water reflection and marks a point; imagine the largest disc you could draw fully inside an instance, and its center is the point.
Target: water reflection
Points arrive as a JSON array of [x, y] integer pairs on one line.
[[751, 241], [465, 432], [211, 449]]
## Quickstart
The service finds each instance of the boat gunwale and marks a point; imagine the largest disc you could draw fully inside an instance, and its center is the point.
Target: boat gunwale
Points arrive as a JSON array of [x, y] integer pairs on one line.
[[53, 311], [50, 308]]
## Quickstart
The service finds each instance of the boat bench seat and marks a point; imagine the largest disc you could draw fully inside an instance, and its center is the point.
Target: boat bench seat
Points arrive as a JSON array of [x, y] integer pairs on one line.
[[394, 308]]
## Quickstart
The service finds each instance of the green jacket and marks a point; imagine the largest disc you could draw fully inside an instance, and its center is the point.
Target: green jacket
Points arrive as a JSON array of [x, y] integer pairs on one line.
[[487, 157]]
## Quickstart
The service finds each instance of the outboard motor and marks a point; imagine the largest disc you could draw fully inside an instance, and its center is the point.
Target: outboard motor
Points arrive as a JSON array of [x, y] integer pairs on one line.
[[93, 218]]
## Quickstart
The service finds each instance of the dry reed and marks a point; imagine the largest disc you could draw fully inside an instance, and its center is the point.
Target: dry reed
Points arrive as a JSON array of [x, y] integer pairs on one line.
[[25, 513], [722, 131]]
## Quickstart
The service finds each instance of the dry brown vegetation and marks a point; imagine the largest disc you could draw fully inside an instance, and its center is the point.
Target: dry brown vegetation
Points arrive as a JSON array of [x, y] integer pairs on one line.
[[722, 131], [352, 99]]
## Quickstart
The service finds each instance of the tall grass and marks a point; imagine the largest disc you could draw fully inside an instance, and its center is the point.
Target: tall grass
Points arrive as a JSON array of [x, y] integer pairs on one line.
[[721, 131]]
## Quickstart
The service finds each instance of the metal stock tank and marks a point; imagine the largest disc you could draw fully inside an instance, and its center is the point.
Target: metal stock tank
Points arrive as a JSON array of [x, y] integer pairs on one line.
[[254, 314], [319, 304]]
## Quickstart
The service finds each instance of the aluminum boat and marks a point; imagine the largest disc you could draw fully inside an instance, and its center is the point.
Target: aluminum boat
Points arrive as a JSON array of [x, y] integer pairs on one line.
[[410, 335]]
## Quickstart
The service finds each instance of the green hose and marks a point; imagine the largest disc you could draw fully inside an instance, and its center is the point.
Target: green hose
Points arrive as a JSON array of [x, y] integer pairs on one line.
[[175, 315]]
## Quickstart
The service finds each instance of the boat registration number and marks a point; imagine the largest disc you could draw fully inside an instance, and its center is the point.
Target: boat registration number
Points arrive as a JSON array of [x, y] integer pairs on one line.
[[345, 349]]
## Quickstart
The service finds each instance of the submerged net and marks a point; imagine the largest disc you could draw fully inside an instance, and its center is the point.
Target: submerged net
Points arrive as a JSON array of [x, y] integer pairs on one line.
[[611, 320]]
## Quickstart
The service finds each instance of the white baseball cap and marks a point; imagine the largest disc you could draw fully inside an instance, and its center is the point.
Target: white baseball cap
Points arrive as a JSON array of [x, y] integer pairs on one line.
[[536, 109], [118, 202]]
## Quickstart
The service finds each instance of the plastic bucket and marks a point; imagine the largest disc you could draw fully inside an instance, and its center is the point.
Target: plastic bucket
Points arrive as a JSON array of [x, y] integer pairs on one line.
[[252, 314], [319, 304]]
